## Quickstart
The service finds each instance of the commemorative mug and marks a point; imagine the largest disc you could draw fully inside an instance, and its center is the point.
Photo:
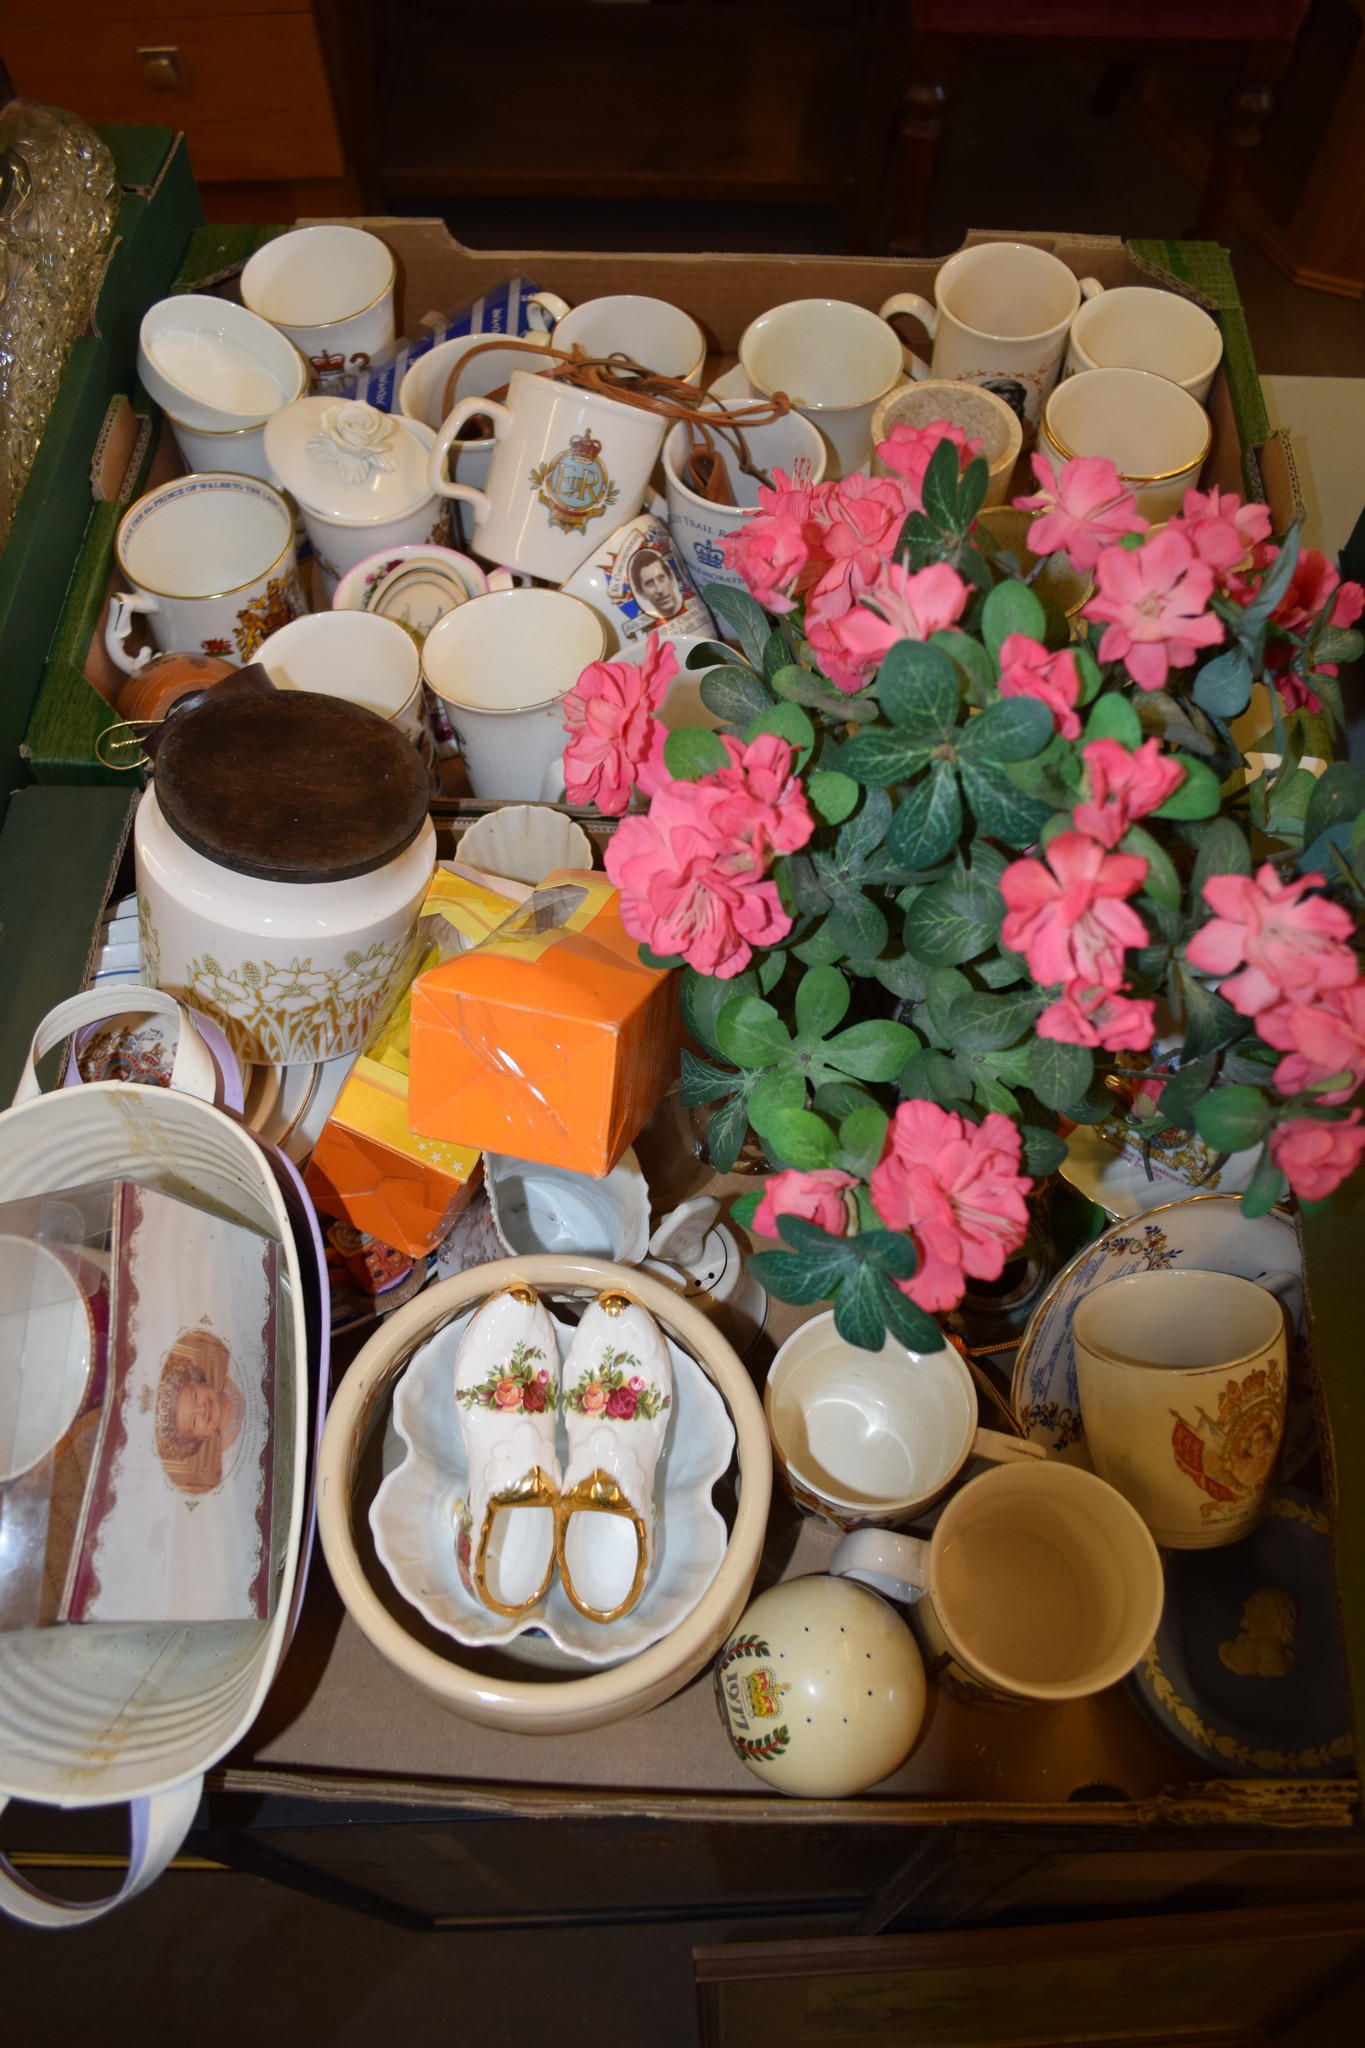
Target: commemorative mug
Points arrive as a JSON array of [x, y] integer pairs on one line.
[[209, 562], [1183, 1380], [1040, 1582], [977, 413], [1139, 328], [360, 656], [869, 1438], [637, 584], [1001, 315], [501, 666], [835, 361], [330, 289], [562, 458], [657, 336], [1153, 432], [699, 527]]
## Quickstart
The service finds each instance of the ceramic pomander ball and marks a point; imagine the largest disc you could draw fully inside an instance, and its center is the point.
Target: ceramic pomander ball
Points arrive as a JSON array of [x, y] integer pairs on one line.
[[821, 1688]]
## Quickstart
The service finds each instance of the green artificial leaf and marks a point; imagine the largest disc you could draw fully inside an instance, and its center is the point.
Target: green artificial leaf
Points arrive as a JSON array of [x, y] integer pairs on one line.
[[704, 996], [990, 1093], [970, 658], [750, 1032], [879, 758], [899, 975], [692, 751], [799, 686], [971, 491], [873, 1051], [736, 608], [1112, 717], [1002, 810], [1012, 729], [1233, 1118], [1162, 883], [791, 1276], [1059, 1074], [1275, 582], [726, 1132], [771, 967], [955, 920], [1337, 644], [1011, 608], [1044, 1150], [819, 949], [777, 654], [918, 690], [743, 1209], [928, 824], [1339, 793], [833, 796], [931, 1076], [858, 1314], [890, 1251], [1223, 686], [779, 1088], [862, 1140], [1223, 850], [797, 1137], [944, 987], [908, 1324], [860, 838], [735, 696], [660, 961], [939, 492], [789, 722], [1210, 1022], [816, 1242], [711, 654], [839, 1099], [822, 1000], [1166, 717], [988, 1023], [1198, 795], [701, 1082], [1289, 801], [1266, 1187], [1181, 1094], [857, 926]]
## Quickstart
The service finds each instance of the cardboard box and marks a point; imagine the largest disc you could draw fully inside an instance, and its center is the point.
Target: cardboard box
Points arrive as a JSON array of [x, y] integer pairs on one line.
[[551, 1040]]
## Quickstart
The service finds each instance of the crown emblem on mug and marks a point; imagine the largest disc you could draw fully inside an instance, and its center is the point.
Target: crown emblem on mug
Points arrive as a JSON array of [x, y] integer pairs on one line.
[[708, 554], [586, 447], [1231, 1455]]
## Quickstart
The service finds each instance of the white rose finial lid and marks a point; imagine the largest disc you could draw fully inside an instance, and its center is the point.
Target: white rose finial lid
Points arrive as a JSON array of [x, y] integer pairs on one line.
[[347, 460]]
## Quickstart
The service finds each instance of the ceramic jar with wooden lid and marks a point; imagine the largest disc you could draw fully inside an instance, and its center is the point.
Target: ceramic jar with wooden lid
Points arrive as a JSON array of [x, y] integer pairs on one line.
[[282, 856]]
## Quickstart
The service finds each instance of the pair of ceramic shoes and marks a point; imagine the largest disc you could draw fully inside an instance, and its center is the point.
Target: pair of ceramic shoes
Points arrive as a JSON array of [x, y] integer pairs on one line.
[[522, 1516]]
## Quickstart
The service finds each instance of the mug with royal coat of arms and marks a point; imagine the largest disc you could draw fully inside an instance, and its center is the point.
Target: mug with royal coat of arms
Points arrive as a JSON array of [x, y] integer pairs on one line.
[[1183, 1382], [567, 467]]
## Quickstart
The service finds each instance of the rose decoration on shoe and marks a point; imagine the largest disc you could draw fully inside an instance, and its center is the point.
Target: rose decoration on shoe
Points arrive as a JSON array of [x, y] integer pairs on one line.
[[506, 1376]]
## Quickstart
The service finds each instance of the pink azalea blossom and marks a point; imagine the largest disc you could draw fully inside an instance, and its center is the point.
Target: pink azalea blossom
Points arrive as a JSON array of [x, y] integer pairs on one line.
[[1315, 1157], [1123, 787], [1084, 506], [956, 1187], [1067, 915], [907, 451], [1285, 943], [1028, 670], [1099, 1016], [816, 1196], [1155, 600], [1320, 1040], [692, 871], [897, 605], [771, 553], [1221, 530], [615, 741]]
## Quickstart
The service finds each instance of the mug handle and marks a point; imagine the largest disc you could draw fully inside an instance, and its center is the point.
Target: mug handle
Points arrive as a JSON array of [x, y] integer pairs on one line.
[[471, 408], [193, 1071], [550, 303], [124, 605], [919, 309], [897, 1566], [160, 1823], [1001, 1449], [1287, 1288], [1090, 287]]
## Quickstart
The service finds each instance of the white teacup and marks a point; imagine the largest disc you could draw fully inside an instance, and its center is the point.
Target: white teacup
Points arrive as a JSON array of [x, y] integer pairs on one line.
[[1000, 317], [1139, 328], [698, 527], [657, 336], [366, 659], [208, 561], [868, 1439], [1153, 432], [639, 588], [502, 665], [1183, 1382], [330, 289], [563, 458], [835, 361], [1039, 1582], [236, 451], [550, 1209]]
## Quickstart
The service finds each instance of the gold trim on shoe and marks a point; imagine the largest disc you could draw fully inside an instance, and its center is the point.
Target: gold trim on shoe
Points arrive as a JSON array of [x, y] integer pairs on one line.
[[599, 1494], [532, 1490], [614, 1302]]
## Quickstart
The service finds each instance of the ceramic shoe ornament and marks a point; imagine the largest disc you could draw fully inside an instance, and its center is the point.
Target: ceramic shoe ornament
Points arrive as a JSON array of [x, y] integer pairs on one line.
[[618, 1390], [506, 1393]]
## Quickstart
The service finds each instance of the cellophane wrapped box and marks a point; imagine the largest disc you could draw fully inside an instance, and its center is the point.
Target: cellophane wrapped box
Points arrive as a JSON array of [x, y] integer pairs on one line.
[[137, 1408]]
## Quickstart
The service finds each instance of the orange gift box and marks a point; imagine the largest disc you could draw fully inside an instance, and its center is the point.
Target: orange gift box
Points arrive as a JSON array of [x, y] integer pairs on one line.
[[550, 1040]]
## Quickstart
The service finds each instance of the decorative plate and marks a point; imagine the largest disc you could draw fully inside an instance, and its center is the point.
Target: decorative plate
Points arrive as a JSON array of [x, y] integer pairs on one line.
[[413, 1519], [1206, 1232], [1110, 1169], [415, 585], [1247, 1673]]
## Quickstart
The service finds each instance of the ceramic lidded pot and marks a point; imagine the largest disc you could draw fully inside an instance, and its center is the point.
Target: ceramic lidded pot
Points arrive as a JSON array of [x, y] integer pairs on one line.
[[282, 855], [359, 477]]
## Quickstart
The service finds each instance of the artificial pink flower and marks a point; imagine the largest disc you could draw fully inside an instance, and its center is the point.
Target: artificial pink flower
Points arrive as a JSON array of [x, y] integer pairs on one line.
[[1285, 943], [817, 1196], [1320, 1040], [1099, 1016], [1028, 670], [1316, 1158], [771, 553], [907, 451], [1085, 506], [1124, 786], [1067, 915], [1155, 600], [615, 741], [1220, 528], [897, 605], [768, 809], [956, 1187]]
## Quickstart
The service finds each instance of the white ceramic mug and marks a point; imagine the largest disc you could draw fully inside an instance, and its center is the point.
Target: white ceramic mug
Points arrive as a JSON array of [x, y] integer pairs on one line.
[[1139, 328], [563, 458], [835, 361], [1001, 315], [502, 665], [1039, 1582], [330, 289], [869, 1438], [235, 451], [657, 336], [1183, 1381], [209, 563], [366, 659], [699, 527], [635, 582], [1153, 432]]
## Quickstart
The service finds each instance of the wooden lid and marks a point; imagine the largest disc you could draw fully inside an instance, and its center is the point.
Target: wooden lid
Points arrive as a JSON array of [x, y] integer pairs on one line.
[[291, 787]]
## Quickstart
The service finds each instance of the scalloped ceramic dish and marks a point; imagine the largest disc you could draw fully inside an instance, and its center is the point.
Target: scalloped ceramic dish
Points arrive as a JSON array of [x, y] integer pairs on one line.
[[413, 1517]]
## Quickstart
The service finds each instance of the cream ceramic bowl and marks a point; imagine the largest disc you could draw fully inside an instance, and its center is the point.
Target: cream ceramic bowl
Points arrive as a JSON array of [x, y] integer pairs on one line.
[[475, 1684]]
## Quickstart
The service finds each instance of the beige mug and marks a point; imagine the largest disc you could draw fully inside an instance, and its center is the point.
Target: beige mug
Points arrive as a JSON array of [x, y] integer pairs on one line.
[[1154, 433], [1137, 327]]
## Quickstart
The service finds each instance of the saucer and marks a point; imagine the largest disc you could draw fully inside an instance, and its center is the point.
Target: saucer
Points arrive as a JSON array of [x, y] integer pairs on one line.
[[1246, 1674], [413, 1519], [1208, 1233], [1115, 1175], [415, 585]]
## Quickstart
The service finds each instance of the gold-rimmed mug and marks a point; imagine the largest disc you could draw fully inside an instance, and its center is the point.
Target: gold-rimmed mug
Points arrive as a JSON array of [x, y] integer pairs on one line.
[[1154, 433]]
